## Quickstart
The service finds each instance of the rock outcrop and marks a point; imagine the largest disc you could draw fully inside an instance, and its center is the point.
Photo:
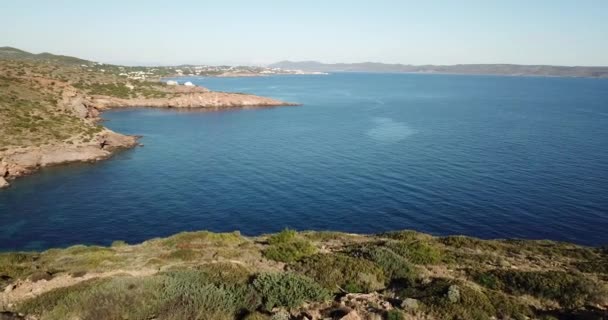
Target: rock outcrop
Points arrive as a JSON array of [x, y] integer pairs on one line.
[[23, 161], [202, 100]]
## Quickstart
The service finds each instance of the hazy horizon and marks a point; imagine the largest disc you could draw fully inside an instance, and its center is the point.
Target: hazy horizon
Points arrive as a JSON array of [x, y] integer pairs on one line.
[[242, 33]]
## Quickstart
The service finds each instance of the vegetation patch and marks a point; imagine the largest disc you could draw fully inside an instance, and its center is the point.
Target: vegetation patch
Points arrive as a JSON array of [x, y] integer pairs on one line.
[[395, 267], [338, 272], [287, 246], [288, 290], [570, 290]]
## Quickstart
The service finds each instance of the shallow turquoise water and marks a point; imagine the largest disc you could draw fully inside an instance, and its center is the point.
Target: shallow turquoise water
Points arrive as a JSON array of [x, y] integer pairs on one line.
[[477, 155]]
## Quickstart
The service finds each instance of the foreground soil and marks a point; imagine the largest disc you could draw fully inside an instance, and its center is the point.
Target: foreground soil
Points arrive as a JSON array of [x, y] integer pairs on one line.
[[308, 275]]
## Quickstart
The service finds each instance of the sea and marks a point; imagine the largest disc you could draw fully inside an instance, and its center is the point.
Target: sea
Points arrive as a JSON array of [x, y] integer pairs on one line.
[[483, 156]]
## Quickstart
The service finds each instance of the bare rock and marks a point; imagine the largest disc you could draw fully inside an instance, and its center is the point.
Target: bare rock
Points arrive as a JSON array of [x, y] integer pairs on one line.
[[410, 304], [453, 293], [353, 315], [3, 183]]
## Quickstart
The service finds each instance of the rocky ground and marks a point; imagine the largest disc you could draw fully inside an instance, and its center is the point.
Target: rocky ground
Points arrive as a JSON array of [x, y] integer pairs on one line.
[[50, 112], [308, 275]]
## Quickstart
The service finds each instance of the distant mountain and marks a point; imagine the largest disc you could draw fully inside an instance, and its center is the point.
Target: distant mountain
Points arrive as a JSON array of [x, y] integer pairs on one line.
[[488, 69], [10, 53]]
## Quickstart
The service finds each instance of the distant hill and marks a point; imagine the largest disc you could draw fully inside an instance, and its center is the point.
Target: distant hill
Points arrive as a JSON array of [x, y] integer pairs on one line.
[[10, 53], [487, 69]]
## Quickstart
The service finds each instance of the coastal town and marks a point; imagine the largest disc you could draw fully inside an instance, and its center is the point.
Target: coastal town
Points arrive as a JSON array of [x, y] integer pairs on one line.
[[157, 72]]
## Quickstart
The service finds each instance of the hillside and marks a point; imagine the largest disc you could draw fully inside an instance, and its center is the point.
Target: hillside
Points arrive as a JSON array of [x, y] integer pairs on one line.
[[50, 107], [308, 275], [480, 69]]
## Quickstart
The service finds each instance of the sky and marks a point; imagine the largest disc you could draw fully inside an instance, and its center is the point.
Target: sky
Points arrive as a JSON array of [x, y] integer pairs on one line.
[[258, 32]]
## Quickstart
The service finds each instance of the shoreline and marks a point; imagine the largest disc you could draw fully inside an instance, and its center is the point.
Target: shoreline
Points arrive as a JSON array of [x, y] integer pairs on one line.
[[16, 162], [362, 274]]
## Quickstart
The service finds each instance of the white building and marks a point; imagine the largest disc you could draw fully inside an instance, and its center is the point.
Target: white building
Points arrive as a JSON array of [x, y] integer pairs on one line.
[[172, 83]]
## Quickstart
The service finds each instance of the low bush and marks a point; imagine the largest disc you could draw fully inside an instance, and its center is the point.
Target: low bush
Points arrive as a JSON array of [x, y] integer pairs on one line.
[[570, 290], [289, 251], [395, 267], [284, 236], [418, 252], [340, 272], [181, 294], [447, 299], [288, 290], [202, 239]]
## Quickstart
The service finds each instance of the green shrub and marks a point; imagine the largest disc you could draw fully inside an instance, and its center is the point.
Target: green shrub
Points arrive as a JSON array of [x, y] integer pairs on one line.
[[284, 236], [406, 235], [395, 267], [16, 264], [289, 251], [570, 290], [202, 239], [336, 271], [418, 252], [182, 294], [288, 290], [470, 304], [186, 295], [117, 298]]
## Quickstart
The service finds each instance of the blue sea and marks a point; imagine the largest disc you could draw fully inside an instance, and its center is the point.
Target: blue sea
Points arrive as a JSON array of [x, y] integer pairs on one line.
[[485, 156]]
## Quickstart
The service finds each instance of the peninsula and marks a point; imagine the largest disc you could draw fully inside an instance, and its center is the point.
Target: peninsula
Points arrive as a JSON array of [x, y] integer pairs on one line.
[[472, 69], [50, 108]]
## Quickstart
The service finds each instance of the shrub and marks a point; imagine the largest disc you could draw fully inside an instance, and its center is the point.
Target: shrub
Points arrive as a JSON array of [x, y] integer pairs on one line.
[[185, 295], [16, 264], [118, 298], [570, 290], [288, 290], [289, 251], [418, 252], [395, 267], [436, 299], [202, 239], [182, 294], [336, 271], [284, 236]]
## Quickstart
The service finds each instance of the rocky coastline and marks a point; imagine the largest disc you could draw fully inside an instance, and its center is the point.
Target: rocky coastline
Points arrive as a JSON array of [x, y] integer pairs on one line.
[[16, 162]]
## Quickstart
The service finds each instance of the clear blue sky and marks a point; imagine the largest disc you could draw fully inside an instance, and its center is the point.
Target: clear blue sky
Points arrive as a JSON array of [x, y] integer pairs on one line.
[[556, 32]]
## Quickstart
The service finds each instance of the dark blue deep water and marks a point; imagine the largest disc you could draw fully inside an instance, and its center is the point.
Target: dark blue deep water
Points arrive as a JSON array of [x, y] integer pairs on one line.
[[478, 155]]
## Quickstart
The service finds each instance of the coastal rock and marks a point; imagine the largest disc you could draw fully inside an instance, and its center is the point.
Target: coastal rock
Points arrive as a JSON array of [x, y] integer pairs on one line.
[[196, 99], [3, 183], [353, 315], [23, 161], [410, 304]]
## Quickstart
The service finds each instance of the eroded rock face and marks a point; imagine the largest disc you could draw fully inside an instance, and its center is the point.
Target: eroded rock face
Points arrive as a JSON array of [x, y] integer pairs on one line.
[[202, 99], [23, 161]]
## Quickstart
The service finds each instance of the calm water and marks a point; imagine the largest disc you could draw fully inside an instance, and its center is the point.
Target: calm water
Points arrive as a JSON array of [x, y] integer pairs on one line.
[[477, 155]]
